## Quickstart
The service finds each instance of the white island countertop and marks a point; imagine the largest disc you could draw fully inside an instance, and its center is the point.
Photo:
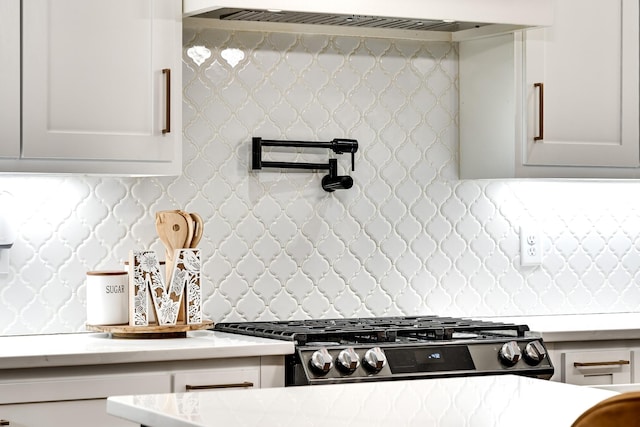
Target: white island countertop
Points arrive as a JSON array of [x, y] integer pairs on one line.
[[41, 351], [505, 400], [580, 327]]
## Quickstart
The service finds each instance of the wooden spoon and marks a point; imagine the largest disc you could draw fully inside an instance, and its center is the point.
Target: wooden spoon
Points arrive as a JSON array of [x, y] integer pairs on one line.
[[173, 230]]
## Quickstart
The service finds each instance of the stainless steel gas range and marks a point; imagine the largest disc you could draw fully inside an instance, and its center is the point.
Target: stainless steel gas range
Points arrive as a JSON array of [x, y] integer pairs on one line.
[[391, 348]]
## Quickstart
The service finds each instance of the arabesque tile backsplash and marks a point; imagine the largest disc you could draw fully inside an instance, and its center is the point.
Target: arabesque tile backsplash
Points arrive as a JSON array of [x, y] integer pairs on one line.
[[409, 237]]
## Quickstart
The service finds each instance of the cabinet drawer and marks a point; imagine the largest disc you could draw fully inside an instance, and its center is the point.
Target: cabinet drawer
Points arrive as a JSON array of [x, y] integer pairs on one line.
[[600, 367], [218, 379], [83, 387], [61, 414]]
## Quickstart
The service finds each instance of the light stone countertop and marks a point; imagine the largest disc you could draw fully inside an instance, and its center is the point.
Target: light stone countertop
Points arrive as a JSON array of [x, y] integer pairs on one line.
[[36, 351], [504, 400], [580, 327], [32, 351]]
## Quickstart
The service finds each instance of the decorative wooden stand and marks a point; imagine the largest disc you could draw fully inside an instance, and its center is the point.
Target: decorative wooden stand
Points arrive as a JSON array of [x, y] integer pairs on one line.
[[177, 301], [177, 307], [151, 331]]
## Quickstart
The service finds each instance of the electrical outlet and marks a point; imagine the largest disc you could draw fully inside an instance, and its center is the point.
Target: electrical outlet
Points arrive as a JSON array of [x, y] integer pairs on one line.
[[530, 247]]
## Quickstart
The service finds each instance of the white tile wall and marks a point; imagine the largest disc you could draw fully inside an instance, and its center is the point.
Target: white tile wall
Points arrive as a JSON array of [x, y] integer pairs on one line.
[[409, 237]]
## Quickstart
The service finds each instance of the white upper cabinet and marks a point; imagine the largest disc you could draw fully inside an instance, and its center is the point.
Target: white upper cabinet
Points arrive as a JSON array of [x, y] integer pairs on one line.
[[582, 86], [9, 78], [101, 87], [575, 96]]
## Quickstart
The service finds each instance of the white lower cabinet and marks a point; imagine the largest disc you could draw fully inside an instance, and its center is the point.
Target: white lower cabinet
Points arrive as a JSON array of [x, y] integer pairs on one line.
[[74, 396], [599, 367], [248, 377], [61, 414], [602, 364], [248, 372], [63, 399], [225, 374]]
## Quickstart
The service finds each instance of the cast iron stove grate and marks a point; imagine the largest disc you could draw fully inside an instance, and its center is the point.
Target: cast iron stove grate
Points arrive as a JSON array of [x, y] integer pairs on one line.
[[373, 330]]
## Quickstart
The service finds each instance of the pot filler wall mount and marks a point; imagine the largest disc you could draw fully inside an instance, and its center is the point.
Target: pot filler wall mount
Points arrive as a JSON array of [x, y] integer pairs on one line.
[[330, 182]]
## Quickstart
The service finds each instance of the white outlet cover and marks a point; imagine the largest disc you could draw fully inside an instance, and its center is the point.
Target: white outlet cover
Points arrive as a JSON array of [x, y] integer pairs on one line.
[[530, 246]]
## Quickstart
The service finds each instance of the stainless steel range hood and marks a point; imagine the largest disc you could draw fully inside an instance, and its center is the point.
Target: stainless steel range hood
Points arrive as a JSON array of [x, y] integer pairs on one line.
[[451, 20]]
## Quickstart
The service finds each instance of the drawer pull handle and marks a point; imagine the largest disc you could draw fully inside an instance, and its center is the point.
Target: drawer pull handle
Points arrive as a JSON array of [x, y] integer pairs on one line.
[[167, 112], [245, 384], [610, 363], [4, 423], [540, 136]]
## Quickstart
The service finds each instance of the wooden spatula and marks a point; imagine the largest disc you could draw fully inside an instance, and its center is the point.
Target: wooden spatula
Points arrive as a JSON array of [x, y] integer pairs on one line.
[[190, 229], [198, 228]]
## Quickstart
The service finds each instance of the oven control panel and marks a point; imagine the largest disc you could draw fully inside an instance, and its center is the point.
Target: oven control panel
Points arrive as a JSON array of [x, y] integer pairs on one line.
[[362, 362]]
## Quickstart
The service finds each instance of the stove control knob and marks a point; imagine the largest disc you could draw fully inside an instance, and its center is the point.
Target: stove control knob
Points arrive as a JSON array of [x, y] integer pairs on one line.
[[321, 361], [348, 360], [534, 353], [510, 353], [374, 359]]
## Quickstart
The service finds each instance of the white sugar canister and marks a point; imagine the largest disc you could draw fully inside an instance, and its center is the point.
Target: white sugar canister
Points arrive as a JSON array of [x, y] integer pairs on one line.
[[107, 297]]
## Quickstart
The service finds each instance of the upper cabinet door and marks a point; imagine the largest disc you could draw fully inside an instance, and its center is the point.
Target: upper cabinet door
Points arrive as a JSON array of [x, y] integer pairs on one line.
[[10, 78], [581, 93], [93, 81]]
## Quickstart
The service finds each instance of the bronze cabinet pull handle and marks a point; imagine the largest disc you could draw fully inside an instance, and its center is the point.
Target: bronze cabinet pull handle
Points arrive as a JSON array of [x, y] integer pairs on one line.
[[540, 136], [167, 113], [609, 363], [245, 384], [4, 423]]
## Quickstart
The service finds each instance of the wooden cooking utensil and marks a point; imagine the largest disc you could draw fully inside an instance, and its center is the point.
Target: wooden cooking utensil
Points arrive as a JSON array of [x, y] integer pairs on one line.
[[174, 230], [177, 230], [190, 229], [198, 228]]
